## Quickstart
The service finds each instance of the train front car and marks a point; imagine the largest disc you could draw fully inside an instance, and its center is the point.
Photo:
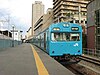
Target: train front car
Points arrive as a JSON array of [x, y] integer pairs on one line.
[[65, 40]]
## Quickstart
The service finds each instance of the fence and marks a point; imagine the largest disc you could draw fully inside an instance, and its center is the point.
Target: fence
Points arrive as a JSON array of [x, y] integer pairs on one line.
[[6, 42], [91, 52]]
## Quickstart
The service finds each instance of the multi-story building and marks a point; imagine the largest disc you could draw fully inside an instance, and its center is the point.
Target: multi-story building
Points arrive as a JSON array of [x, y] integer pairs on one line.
[[16, 35], [73, 11], [37, 12], [44, 21], [29, 33], [93, 25], [4, 34], [47, 19], [38, 25]]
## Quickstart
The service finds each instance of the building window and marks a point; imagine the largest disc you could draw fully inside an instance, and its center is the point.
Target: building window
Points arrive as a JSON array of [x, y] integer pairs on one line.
[[71, 21], [97, 17], [85, 22], [98, 31], [98, 39], [81, 21], [76, 21], [15, 33], [97, 22]]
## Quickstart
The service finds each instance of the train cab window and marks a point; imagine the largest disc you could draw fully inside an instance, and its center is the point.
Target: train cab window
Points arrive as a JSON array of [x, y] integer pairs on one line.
[[65, 37], [56, 37], [60, 37], [74, 37]]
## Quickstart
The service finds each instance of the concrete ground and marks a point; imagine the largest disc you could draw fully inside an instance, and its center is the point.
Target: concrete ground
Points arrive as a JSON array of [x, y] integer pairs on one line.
[[20, 60]]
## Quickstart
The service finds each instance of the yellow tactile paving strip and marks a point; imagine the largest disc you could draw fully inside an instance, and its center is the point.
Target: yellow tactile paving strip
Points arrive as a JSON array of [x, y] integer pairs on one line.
[[40, 66]]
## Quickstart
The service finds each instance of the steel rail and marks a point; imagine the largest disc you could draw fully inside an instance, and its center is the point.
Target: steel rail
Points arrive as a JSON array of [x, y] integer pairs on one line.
[[91, 60]]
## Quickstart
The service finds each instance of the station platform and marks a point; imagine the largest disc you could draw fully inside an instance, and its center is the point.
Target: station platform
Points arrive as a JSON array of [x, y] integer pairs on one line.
[[27, 59]]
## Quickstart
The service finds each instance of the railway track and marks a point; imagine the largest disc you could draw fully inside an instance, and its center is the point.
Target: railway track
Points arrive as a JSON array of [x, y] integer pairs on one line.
[[74, 69], [90, 60], [78, 69]]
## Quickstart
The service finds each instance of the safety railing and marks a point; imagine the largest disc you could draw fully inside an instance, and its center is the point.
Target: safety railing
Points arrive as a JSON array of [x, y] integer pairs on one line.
[[91, 52], [6, 42]]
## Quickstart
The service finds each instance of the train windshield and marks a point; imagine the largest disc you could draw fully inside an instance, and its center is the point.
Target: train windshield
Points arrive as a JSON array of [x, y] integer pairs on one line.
[[65, 36]]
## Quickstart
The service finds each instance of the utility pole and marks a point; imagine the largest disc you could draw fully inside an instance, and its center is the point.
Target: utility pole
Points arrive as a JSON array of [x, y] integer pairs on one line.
[[8, 25], [13, 35], [6, 20], [2, 21]]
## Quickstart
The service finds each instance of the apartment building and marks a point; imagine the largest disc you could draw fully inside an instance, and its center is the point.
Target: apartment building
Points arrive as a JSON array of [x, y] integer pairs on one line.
[[47, 19], [44, 21], [73, 11], [37, 12]]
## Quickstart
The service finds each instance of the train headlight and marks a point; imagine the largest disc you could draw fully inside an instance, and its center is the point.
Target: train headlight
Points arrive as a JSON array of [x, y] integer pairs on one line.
[[74, 28], [56, 29], [66, 25]]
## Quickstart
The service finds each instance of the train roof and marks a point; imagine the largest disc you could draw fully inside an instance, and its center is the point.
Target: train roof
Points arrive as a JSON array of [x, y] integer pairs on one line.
[[65, 27], [67, 23]]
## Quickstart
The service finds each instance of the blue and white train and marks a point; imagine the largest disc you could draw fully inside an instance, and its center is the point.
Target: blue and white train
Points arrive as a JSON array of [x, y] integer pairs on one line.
[[62, 39]]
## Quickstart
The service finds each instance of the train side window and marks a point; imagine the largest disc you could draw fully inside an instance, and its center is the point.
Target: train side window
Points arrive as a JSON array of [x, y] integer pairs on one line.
[[52, 37]]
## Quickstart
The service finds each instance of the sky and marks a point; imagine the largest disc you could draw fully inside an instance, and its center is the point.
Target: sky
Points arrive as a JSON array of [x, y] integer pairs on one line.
[[19, 12]]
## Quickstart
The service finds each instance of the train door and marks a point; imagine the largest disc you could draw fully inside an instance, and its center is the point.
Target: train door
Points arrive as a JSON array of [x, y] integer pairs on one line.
[[45, 41], [40, 40]]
